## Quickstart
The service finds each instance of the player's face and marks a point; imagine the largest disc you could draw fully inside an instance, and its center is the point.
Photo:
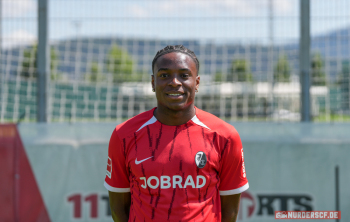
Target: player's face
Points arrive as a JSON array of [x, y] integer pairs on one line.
[[175, 81]]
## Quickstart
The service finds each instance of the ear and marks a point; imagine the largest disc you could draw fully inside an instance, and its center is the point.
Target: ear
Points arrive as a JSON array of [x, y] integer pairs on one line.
[[198, 79], [153, 82]]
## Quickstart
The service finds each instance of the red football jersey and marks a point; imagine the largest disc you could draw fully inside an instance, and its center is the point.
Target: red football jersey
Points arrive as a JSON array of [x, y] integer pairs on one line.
[[176, 173]]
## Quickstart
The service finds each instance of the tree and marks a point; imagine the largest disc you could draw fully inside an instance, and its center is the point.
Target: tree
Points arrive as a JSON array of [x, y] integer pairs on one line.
[[29, 64], [318, 76], [218, 77], [281, 72], [239, 71], [121, 65], [95, 74]]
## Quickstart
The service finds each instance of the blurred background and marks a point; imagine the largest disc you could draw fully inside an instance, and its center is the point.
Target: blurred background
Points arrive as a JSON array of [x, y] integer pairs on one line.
[[101, 54], [99, 74]]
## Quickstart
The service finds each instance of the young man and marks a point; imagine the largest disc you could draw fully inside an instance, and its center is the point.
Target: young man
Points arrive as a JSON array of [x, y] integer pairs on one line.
[[175, 162]]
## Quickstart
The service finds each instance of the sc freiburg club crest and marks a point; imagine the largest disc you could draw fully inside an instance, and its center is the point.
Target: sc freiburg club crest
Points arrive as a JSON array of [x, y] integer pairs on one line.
[[201, 159]]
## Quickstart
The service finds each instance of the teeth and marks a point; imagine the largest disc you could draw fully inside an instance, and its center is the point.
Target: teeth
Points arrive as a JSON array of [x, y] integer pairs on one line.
[[174, 94]]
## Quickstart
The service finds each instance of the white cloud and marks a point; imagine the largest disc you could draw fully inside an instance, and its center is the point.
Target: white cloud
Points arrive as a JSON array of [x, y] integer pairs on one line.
[[138, 11], [18, 38], [15, 8], [282, 7], [245, 8]]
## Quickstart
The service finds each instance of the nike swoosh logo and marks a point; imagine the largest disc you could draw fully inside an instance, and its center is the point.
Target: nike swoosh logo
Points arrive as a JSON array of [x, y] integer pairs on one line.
[[138, 162]]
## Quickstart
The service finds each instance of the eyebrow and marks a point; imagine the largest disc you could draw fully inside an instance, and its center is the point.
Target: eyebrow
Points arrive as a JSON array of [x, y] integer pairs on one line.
[[187, 70], [163, 69]]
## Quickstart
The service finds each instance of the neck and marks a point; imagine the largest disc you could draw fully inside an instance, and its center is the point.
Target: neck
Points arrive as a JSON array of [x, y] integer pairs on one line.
[[174, 117]]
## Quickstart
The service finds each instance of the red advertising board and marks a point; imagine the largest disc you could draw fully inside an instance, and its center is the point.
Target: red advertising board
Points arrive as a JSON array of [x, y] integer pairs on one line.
[[20, 198]]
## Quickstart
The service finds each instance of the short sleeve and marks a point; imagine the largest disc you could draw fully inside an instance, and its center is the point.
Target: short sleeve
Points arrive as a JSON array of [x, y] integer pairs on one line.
[[233, 179], [117, 178]]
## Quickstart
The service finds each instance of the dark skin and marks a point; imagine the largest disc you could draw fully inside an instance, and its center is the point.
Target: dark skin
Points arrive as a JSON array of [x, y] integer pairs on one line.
[[175, 81], [120, 206], [229, 207]]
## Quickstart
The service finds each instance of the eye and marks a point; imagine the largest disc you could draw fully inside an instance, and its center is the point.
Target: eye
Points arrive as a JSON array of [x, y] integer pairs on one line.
[[163, 75], [185, 75]]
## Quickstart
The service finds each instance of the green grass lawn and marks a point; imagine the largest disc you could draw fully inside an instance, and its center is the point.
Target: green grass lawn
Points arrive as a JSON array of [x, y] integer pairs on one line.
[[332, 118]]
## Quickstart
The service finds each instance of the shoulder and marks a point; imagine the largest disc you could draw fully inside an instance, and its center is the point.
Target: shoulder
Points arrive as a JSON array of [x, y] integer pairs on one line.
[[216, 124], [132, 125]]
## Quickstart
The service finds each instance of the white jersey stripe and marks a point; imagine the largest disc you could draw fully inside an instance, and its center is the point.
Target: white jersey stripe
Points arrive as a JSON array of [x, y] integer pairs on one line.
[[198, 122], [149, 122], [154, 119], [234, 191], [117, 190]]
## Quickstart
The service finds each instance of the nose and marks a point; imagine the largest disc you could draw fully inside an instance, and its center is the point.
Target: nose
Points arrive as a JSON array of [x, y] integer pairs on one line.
[[175, 81]]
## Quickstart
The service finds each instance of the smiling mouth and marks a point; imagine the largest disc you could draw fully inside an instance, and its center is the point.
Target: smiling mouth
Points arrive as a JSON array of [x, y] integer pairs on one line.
[[174, 94]]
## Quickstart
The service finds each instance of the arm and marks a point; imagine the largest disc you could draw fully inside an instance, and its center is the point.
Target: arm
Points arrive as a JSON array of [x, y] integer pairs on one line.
[[229, 207], [120, 206]]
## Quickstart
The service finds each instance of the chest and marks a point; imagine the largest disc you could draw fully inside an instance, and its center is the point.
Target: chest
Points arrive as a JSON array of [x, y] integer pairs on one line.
[[172, 151]]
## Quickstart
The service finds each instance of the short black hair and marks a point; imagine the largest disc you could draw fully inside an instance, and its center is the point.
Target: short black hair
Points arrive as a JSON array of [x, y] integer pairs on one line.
[[176, 48]]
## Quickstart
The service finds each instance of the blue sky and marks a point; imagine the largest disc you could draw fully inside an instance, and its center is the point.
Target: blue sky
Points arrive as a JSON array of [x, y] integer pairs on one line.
[[207, 20]]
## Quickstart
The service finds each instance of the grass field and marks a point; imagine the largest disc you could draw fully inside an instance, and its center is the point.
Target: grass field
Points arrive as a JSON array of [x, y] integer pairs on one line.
[[332, 118]]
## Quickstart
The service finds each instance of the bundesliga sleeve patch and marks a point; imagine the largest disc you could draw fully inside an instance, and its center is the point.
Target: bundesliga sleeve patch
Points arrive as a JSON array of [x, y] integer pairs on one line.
[[243, 167], [109, 168]]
